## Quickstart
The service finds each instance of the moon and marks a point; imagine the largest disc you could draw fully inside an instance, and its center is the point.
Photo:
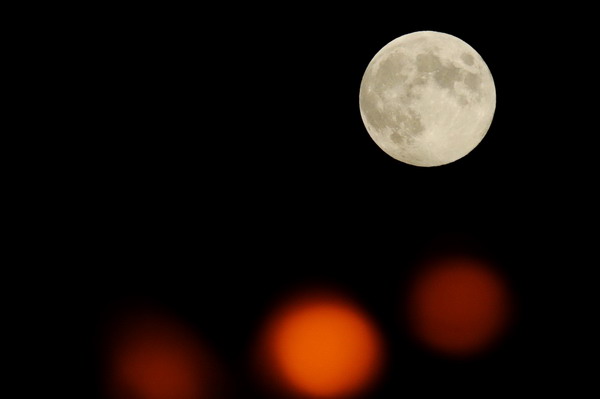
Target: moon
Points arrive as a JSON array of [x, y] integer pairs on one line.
[[427, 98]]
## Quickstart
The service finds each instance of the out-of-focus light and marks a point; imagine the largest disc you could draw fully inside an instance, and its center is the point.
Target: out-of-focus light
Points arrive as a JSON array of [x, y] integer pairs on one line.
[[321, 346], [151, 356], [458, 306]]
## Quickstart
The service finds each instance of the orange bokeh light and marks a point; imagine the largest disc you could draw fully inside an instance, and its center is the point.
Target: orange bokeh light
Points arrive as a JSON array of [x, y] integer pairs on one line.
[[322, 346], [458, 306], [154, 357]]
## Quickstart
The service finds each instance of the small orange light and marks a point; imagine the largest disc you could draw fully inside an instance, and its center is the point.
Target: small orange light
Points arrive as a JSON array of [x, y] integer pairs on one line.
[[322, 346], [458, 306], [155, 357]]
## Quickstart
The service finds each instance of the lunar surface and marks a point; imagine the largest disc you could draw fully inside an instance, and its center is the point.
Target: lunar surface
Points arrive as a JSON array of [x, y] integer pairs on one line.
[[427, 98]]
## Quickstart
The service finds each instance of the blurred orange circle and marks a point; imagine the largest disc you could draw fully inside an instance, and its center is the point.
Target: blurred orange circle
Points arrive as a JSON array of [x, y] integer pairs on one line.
[[323, 346], [458, 306], [155, 357]]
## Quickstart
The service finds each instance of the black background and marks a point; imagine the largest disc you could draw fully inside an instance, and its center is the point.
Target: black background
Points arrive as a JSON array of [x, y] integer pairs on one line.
[[215, 161]]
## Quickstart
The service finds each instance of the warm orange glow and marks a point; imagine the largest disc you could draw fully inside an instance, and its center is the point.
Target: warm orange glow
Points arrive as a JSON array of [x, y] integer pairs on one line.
[[153, 357], [458, 306], [323, 347]]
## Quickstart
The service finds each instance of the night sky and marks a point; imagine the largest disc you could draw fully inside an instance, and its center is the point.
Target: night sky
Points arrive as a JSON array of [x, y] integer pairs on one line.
[[220, 163]]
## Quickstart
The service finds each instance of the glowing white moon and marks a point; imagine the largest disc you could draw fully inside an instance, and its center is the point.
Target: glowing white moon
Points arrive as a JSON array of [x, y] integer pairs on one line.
[[427, 98]]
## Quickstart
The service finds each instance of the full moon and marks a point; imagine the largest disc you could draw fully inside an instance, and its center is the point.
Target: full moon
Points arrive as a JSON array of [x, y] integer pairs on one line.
[[427, 98]]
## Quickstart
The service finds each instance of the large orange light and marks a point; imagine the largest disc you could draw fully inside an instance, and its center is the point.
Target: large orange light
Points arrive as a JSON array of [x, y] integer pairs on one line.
[[458, 306], [322, 346]]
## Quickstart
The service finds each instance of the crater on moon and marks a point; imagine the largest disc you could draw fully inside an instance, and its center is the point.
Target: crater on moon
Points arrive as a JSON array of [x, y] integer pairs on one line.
[[467, 58], [427, 98]]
